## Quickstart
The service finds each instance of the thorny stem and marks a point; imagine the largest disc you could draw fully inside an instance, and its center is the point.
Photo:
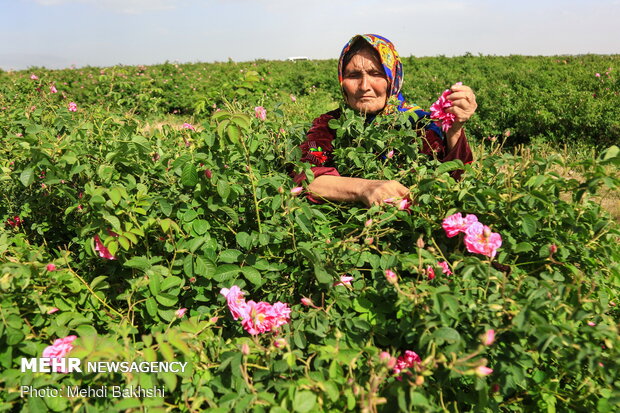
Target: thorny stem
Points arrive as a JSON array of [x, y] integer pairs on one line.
[[91, 290]]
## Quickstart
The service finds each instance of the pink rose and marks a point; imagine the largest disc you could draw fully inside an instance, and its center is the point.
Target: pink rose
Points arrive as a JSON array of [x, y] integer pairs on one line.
[[488, 338], [297, 190], [50, 267], [344, 280], [260, 112], [406, 361], [480, 240], [444, 267], [52, 310], [188, 126], [102, 250], [482, 371], [455, 224], [34, 77], [180, 312], [258, 318], [307, 302], [72, 107], [438, 110], [53, 89], [391, 276], [430, 272], [281, 313], [236, 302], [59, 349], [280, 342]]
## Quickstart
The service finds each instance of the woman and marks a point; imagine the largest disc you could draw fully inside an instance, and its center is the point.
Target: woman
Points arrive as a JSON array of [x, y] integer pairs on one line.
[[370, 75]]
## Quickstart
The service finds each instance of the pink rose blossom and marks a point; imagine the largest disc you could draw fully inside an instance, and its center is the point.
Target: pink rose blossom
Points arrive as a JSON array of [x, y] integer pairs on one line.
[[438, 110], [489, 337], [280, 342], [53, 89], [180, 312], [597, 74], [404, 204], [188, 126], [50, 267], [482, 371], [455, 224], [102, 250], [281, 313], [388, 359], [59, 349], [344, 280], [368, 223], [406, 361], [72, 107], [258, 318], [52, 310], [293, 98], [236, 302], [260, 112], [444, 267], [297, 190], [591, 323], [391, 276], [390, 154], [34, 77], [480, 240], [430, 272]]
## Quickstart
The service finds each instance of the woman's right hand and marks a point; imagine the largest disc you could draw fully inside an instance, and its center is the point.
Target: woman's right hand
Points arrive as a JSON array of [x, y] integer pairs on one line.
[[375, 192]]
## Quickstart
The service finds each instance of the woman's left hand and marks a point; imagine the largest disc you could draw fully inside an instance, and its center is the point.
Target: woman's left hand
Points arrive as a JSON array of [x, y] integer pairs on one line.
[[463, 107], [463, 103]]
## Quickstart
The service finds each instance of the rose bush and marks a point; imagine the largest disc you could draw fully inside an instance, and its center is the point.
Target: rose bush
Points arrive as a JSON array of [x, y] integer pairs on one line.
[[155, 233]]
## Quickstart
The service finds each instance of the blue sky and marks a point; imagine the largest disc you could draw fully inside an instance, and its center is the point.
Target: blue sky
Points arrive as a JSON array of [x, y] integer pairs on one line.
[[60, 33]]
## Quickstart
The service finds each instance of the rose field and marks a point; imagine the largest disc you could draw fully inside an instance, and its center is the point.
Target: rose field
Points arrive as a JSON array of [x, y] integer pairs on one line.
[[149, 214]]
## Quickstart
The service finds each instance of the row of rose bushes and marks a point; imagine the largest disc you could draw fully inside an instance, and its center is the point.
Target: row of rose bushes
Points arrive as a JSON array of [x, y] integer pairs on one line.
[[140, 243]]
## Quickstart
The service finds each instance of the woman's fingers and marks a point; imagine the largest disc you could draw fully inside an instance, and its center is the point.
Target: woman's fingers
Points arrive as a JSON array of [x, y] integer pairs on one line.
[[380, 191]]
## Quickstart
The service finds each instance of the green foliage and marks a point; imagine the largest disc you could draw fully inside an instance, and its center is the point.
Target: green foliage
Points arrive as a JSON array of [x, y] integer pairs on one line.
[[187, 212]]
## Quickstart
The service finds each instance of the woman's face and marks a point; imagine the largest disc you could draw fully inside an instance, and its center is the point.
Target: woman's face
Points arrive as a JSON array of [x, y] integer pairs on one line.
[[365, 83]]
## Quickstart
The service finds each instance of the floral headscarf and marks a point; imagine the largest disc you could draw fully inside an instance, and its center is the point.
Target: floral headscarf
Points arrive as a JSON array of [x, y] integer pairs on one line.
[[391, 65]]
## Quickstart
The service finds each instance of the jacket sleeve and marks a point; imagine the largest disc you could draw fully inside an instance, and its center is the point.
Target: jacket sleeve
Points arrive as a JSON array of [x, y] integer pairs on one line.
[[317, 149]]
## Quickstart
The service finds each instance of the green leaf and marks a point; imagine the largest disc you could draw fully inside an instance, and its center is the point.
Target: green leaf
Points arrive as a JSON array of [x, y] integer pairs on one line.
[[244, 240], [204, 267], [226, 272], [170, 282], [165, 207], [304, 401], [529, 225], [189, 175], [200, 226], [124, 242], [447, 334], [115, 195], [27, 177], [233, 133], [167, 300], [252, 275], [223, 188], [449, 166]]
